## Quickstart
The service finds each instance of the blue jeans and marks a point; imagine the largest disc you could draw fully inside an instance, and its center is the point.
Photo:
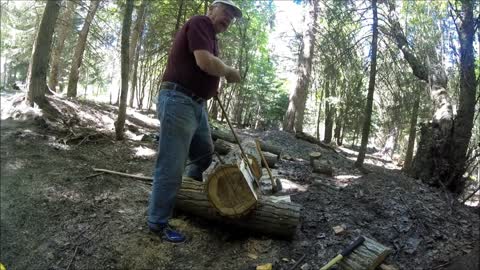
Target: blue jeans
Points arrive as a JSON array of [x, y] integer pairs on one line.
[[184, 133]]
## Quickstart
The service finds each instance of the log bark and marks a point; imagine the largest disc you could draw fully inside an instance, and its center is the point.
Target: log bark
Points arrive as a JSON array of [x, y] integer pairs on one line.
[[234, 156], [319, 167], [220, 134], [270, 147], [276, 219], [222, 147], [311, 139], [366, 257], [270, 158]]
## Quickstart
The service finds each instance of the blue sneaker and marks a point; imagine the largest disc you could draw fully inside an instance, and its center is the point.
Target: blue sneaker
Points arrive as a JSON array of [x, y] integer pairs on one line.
[[168, 233]]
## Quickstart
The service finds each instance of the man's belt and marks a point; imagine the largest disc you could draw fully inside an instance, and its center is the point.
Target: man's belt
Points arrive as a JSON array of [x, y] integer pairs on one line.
[[179, 88]]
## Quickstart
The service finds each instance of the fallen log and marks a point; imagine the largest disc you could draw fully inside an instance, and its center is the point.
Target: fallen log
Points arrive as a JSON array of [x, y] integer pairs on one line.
[[224, 135], [320, 167], [311, 139], [277, 219], [222, 147], [270, 158], [271, 148]]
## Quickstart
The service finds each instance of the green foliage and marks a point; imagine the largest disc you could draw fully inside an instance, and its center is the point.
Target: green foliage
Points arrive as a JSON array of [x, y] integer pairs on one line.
[[19, 22]]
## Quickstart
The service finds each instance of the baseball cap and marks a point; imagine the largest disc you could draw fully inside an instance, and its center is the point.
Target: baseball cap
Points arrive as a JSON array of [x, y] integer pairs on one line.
[[238, 12]]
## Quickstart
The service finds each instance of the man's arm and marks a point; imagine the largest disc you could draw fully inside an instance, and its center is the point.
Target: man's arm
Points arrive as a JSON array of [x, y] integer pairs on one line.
[[215, 67]]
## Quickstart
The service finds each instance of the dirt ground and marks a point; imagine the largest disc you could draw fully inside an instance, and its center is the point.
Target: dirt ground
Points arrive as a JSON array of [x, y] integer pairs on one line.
[[58, 213]]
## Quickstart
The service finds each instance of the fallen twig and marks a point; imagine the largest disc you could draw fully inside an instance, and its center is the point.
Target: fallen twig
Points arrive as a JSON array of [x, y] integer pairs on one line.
[[124, 174], [73, 257], [298, 262], [471, 195], [93, 175]]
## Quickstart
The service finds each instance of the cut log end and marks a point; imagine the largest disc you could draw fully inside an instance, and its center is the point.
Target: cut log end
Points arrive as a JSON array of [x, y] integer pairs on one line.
[[229, 192]]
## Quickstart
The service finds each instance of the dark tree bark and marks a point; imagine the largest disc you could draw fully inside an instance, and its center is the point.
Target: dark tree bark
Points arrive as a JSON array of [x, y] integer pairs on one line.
[[37, 79], [127, 21], [296, 108], [466, 107], [64, 29], [80, 49], [412, 134], [442, 149], [371, 89]]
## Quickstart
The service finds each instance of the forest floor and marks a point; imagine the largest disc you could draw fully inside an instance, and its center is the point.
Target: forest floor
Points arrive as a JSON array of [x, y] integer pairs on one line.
[[57, 213]]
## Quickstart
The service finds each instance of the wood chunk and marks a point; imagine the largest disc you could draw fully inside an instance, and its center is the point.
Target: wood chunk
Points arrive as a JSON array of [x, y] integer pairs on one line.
[[339, 229], [367, 256], [319, 167], [314, 156]]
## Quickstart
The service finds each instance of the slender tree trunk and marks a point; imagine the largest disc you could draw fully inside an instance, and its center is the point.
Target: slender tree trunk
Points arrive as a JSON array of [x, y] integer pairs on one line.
[[127, 21], [134, 50], [371, 89], [80, 49], [412, 134], [296, 109], [37, 80], [329, 109], [466, 107], [64, 29], [319, 118]]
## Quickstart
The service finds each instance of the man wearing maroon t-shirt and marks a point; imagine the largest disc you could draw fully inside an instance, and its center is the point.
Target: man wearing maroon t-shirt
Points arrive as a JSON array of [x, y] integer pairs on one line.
[[192, 76]]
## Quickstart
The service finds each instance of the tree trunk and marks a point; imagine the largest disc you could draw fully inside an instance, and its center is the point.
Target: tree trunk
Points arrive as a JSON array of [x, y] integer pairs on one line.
[[443, 142], [318, 119], [277, 219], [37, 80], [127, 21], [412, 134], [64, 29], [466, 108], [79, 50], [329, 108], [294, 116], [134, 49], [371, 89]]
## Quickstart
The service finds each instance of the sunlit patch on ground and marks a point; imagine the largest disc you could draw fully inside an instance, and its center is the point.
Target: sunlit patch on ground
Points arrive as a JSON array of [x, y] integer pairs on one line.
[[345, 180], [55, 194], [288, 185], [144, 152], [15, 165]]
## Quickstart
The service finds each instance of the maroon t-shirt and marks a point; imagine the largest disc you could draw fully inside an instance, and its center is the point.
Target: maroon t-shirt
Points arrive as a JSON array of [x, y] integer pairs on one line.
[[197, 34]]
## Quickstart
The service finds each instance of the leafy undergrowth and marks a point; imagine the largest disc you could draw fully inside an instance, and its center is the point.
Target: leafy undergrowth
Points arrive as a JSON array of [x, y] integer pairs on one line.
[[57, 213]]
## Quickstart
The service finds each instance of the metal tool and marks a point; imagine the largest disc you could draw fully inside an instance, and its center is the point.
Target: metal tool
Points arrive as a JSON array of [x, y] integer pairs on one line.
[[345, 252], [244, 156]]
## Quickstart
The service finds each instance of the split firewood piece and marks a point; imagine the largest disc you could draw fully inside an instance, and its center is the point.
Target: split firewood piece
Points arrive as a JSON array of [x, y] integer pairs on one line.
[[367, 256]]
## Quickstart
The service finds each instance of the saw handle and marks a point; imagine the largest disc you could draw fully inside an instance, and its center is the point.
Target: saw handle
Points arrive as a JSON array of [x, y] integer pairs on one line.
[[346, 251]]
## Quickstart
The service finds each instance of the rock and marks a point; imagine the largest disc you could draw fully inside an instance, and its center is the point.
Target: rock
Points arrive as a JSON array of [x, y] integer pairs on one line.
[[305, 266]]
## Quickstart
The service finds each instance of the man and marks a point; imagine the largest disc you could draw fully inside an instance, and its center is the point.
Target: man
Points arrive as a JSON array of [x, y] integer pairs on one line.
[[192, 76]]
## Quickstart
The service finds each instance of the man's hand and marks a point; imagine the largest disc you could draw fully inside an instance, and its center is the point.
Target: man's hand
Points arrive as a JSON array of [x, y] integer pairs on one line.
[[233, 76]]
